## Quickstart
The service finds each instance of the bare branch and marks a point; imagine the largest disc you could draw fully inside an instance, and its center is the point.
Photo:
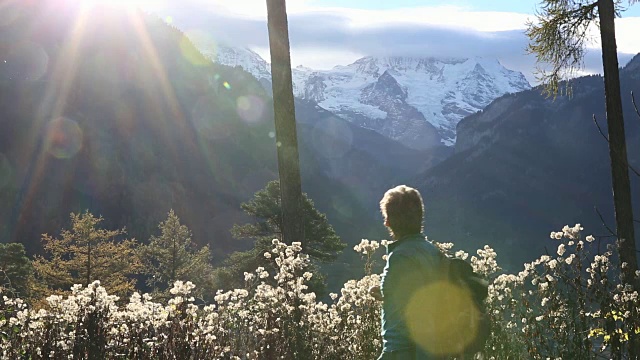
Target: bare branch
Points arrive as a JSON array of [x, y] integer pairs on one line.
[[635, 107], [634, 170], [626, 161], [599, 128], [604, 223]]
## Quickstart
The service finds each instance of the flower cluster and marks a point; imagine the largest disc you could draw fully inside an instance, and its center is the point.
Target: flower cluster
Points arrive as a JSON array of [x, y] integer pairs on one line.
[[569, 304], [485, 263], [368, 248], [574, 297], [275, 316]]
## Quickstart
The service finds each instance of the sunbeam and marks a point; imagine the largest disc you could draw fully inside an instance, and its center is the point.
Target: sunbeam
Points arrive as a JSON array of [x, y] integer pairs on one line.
[[117, 4], [45, 130], [159, 71]]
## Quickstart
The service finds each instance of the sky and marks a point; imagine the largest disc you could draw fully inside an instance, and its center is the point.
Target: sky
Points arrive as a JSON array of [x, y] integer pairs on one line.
[[326, 33]]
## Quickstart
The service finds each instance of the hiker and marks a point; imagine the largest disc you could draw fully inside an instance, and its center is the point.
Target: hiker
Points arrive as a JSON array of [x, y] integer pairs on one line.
[[411, 260], [432, 303]]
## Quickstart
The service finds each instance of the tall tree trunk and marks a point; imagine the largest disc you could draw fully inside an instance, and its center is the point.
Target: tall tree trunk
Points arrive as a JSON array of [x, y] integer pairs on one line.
[[285, 120], [617, 140], [88, 263], [173, 264], [618, 151]]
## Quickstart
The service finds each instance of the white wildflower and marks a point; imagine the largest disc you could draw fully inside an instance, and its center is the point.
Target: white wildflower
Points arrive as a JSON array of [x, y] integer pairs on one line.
[[569, 259]]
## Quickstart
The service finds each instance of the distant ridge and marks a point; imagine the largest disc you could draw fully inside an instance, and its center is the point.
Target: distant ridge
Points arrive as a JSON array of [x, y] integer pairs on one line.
[[439, 91]]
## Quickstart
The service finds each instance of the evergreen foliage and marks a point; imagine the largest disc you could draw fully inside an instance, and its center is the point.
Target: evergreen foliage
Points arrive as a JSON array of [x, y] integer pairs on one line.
[[86, 253], [173, 256], [559, 35], [16, 271], [321, 241], [558, 38], [322, 244]]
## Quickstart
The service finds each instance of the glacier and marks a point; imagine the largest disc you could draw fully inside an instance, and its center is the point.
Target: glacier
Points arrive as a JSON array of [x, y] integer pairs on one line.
[[443, 90]]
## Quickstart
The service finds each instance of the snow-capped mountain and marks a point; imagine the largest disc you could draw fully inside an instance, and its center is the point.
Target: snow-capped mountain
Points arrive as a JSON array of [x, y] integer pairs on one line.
[[415, 100], [398, 90], [249, 60]]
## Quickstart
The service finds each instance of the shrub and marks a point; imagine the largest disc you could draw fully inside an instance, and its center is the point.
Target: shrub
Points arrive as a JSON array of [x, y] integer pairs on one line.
[[571, 304]]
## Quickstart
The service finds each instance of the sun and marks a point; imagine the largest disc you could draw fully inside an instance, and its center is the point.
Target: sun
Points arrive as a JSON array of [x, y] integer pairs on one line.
[[119, 4]]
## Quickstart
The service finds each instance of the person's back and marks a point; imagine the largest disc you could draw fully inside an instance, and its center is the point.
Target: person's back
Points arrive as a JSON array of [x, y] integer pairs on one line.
[[411, 263], [411, 260]]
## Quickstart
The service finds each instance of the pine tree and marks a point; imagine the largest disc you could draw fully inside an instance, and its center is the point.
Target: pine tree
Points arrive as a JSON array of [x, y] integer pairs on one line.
[[173, 256], [16, 271], [86, 253], [322, 244], [321, 241]]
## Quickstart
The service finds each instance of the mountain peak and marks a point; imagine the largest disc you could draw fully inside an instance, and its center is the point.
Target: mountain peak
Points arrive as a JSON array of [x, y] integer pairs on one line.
[[443, 89], [376, 65], [304, 68], [232, 56], [633, 66], [389, 85]]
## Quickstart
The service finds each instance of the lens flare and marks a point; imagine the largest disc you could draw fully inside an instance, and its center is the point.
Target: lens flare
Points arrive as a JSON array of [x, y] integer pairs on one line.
[[63, 138], [27, 61], [226, 85], [8, 13], [6, 171], [110, 77], [201, 117], [343, 207], [253, 180], [125, 118], [442, 318], [117, 4], [332, 137], [205, 120], [206, 43], [250, 108], [189, 52]]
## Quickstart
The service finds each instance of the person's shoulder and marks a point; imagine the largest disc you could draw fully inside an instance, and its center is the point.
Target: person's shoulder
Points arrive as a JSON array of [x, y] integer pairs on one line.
[[430, 248], [415, 247]]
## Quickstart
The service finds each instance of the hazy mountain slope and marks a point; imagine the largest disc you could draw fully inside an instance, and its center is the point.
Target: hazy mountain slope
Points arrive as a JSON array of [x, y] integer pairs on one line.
[[129, 120], [415, 100], [528, 165]]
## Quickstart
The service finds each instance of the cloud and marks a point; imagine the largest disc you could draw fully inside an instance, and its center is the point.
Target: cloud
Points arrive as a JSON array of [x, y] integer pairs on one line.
[[453, 17], [322, 38]]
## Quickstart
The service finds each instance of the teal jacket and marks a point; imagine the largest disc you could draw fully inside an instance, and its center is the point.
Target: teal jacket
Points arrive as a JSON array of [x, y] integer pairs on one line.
[[411, 261]]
